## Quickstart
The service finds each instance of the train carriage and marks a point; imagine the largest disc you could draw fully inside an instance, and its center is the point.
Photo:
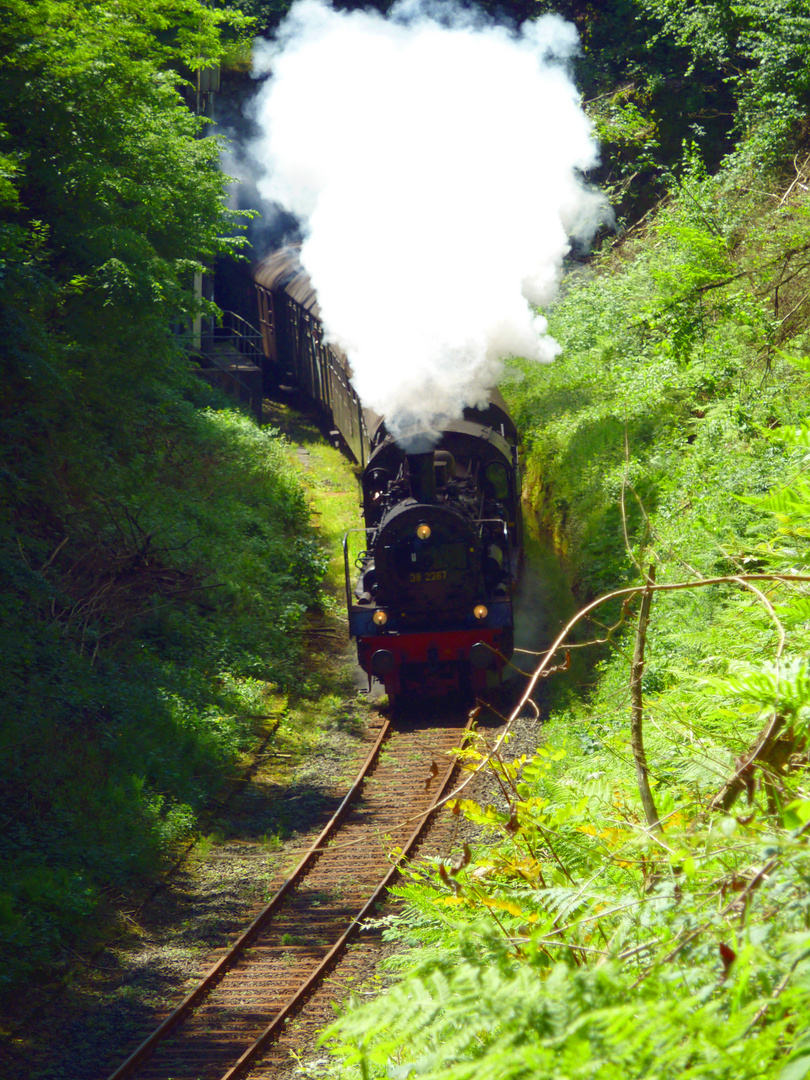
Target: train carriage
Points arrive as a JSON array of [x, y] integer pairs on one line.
[[292, 336]]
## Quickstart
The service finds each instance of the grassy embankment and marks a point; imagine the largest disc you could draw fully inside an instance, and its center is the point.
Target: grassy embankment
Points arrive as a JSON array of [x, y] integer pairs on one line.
[[157, 561], [587, 938], [155, 631]]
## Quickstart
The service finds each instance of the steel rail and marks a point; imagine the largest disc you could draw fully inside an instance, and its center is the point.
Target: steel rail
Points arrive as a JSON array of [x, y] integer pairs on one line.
[[229, 958], [249, 1056]]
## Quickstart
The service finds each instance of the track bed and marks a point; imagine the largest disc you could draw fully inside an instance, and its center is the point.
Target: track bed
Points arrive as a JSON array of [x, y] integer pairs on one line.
[[228, 1025]]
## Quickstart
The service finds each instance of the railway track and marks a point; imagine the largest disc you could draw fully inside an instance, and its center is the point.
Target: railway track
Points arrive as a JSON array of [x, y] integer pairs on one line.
[[228, 1024]]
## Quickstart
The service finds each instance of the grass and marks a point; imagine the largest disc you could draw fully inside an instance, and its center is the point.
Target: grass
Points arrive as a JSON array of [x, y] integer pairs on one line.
[[331, 481]]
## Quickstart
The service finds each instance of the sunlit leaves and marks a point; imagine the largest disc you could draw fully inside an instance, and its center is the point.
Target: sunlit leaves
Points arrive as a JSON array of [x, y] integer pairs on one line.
[[645, 961], [108, 155], [784, 687], [761, 48]]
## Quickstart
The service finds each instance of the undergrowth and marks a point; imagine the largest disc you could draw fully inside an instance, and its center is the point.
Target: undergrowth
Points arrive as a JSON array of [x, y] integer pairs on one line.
[[153, 587], [580, 938]]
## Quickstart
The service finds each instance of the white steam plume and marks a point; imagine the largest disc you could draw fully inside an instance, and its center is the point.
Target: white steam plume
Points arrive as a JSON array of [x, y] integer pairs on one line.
[[434, 164]]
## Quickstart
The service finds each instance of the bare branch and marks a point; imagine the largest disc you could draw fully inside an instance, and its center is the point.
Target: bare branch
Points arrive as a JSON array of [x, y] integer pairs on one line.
[[637, 709], [58, 548], [541, 669]]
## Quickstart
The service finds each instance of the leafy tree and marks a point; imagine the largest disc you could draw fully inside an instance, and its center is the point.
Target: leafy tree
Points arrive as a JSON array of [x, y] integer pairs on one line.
[[761, 50], [111, 200]]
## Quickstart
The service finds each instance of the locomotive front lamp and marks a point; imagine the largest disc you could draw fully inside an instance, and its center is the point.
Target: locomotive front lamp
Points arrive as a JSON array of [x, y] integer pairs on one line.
[[380, 617], [423, 532], [480, 611]]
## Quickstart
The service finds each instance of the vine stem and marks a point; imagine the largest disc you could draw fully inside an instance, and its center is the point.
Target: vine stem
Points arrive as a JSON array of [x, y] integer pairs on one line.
[[633, 590], [637, 708]]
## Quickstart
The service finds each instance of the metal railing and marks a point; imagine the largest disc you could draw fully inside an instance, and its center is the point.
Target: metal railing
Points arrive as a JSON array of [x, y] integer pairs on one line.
[[244, 339], [242, 335]]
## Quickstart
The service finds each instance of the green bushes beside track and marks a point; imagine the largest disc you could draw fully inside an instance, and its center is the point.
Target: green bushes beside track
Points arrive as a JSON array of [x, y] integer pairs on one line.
[[155, 554], [149, 623]]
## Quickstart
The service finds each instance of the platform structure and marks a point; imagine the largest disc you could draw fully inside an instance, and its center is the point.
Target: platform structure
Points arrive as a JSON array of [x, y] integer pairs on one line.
[[230, 357]]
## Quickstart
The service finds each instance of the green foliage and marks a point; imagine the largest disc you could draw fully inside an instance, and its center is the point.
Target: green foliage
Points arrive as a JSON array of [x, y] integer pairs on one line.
[[266, 13], [672, 366], [577, 945], [112, 200], [762, 49], [155, 553], [150, 603]]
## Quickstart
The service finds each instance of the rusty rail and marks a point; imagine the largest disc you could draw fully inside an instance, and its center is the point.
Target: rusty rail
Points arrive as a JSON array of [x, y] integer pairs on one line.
[[254, 1051], [218, 970], [285, 1008]]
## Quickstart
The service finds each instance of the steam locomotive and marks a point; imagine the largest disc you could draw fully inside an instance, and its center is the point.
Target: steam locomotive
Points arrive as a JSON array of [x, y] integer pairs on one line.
[[429, 576]]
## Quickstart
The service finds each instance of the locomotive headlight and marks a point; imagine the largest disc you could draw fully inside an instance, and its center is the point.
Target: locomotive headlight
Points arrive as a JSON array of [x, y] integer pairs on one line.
[[380, 617], [423, 532], [480, 611]]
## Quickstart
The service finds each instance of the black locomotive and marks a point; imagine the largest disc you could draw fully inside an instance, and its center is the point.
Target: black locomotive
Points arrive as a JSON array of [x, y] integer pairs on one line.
[[430, 575]]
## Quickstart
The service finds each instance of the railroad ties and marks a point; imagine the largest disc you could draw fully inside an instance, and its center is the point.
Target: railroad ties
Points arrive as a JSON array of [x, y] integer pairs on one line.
[[228, 1026]]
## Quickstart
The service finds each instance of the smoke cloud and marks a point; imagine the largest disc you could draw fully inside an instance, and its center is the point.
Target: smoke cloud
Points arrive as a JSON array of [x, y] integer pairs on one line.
[[433, 159]]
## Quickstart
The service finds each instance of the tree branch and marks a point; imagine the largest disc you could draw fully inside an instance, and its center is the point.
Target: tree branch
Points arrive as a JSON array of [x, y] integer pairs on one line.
[[637, 708]]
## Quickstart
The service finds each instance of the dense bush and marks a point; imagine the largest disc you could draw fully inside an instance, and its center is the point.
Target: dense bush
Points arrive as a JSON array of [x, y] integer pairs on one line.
[[672, 361], [149, 621]]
